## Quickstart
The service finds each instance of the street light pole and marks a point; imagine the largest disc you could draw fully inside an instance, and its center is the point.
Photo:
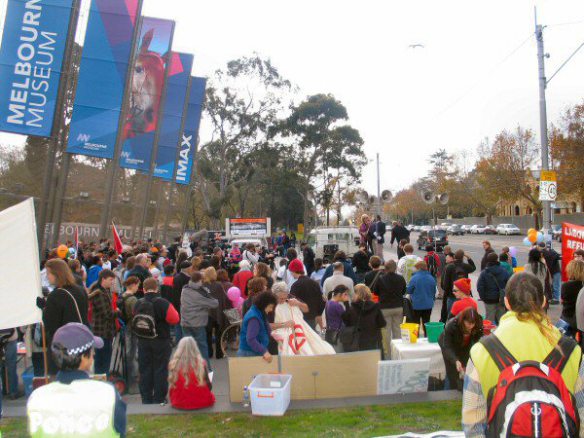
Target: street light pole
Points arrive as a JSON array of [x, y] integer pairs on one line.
[[547, 207]]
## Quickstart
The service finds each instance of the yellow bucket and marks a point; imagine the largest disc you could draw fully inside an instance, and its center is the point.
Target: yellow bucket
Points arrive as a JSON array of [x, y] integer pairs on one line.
[[410, 332]]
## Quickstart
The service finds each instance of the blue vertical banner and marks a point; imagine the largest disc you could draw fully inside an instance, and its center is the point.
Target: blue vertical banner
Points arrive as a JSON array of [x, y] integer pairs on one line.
[[148, 80], [102, 77], [191, 131], [172, 114], [31, 61]]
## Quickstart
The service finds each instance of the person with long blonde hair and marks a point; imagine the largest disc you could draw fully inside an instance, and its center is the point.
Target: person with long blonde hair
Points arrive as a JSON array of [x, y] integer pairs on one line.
[[189, 384]]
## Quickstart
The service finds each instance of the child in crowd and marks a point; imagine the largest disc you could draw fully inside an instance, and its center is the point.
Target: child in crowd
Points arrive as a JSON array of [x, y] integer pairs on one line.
[[319, 270], [504, 261], [189, 383], [234, 295]]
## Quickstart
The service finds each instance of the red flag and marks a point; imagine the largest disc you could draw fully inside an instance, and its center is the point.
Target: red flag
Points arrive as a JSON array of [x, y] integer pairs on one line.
[[76, 241], [117, 240]]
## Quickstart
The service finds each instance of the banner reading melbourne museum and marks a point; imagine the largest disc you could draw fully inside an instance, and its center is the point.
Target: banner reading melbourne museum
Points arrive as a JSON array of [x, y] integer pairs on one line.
[[191, 131], [102, 77], [31, 60], [146, 93], [172, 114]]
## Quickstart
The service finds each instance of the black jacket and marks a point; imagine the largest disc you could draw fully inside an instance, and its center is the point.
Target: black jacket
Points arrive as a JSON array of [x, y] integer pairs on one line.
[[390, 289], [308, 259], [451, 340], [570, 291], [219, 294], [398, 233], [454, 271], [142, 273], [491, 281], [484, 259], [180, 280], [60, 309], [308, 291], [552, 260], [369, 320]]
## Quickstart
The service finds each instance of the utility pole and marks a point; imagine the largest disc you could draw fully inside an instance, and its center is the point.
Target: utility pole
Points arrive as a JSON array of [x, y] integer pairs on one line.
[[378, 188], [543, 132]]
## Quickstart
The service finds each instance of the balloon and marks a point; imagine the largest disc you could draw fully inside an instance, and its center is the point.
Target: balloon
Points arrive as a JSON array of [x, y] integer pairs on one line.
[[531, 230], [540, 237], [62, 251], [513, 251], [526, 242], [532, 238]]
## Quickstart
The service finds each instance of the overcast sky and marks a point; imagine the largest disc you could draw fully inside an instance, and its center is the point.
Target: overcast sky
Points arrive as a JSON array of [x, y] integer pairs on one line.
[[406, 102]]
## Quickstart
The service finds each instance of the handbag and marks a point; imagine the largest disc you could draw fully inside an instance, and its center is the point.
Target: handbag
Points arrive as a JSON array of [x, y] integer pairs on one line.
[[349, 336]]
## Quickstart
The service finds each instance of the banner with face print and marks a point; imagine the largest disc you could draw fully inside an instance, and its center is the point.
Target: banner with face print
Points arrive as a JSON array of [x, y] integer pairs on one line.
[[102, 77], [177, 86], [148, 79]]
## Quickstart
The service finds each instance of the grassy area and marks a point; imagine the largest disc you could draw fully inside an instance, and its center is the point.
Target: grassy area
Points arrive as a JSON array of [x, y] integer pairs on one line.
[[366, 421]]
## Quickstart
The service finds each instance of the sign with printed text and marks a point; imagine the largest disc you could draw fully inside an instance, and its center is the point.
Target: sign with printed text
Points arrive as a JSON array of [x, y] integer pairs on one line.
[[403, 376], [31, 59], [572, 239], [248, 227]]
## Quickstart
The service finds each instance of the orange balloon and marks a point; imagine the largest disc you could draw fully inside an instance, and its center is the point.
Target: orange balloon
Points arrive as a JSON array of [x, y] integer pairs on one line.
[[62, 251], [531, 230], [532, 238]]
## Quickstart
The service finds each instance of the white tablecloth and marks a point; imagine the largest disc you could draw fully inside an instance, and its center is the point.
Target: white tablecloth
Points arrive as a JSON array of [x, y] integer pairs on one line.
[[420, 350]]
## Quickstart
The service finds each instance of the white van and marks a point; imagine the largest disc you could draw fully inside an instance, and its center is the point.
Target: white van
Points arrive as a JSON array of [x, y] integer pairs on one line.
[[326, 241]]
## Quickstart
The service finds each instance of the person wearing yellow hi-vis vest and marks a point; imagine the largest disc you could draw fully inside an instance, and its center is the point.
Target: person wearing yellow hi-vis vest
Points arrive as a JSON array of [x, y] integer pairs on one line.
[[525, 379], [74, 405]]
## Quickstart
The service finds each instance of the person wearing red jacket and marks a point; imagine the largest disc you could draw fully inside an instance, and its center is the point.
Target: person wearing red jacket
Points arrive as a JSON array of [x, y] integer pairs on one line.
[[188, 378], [242, 277], [154, 353]]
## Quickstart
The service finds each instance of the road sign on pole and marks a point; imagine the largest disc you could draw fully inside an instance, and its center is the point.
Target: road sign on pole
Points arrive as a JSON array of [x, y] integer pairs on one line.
[[548, 186]]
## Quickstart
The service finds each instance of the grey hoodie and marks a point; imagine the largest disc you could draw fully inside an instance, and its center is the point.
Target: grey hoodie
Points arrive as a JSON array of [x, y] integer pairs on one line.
[[195, 303]]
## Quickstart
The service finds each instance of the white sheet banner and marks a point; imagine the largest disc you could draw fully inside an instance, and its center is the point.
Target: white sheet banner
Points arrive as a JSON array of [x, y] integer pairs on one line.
[[19, 267]]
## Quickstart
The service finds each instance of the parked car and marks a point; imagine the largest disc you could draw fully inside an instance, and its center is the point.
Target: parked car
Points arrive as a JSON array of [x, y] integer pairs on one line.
[[489, 229], [425, 228], [455, 230], [438, 238], [477, 229], [466, 228], [417, 228], [508, 229]]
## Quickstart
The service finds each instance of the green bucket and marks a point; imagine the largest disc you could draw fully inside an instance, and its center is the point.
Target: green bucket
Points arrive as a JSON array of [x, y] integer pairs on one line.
[[434, 330]]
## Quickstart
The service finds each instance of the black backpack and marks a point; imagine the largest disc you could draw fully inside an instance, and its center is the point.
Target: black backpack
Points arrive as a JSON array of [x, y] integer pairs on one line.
[[144, 321], [433, 264], [460, 272]]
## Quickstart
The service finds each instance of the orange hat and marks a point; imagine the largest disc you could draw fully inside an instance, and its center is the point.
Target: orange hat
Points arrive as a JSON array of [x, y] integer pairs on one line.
[[463, 285]]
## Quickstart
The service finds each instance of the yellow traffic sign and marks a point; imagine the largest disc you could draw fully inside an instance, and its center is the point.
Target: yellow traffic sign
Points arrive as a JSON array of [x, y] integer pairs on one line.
[[548, 175]]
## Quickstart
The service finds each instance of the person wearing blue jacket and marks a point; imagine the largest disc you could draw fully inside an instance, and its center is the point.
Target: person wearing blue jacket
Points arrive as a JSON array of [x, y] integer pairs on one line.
[[491, 286], [422, 290], [340, 256]]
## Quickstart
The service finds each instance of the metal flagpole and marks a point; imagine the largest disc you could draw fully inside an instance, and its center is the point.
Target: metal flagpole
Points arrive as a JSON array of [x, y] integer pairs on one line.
[[153, 157], [58, 124], [114, 164], [173, 185]]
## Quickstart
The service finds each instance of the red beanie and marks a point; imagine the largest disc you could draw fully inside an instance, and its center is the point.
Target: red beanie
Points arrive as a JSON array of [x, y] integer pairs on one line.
[[463, 285], [296, 266]]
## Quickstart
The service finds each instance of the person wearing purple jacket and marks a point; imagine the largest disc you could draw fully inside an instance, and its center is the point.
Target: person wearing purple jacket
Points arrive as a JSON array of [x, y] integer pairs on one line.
[[334, 310]]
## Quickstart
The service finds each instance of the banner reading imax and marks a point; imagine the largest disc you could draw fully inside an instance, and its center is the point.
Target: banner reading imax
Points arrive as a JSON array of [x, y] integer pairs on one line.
[[191, 131], [172, 114], [31, 60], [102, 77], [146, 93]]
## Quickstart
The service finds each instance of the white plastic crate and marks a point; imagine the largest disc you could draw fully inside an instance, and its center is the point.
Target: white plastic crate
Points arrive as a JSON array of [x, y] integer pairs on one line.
[[270, 394]]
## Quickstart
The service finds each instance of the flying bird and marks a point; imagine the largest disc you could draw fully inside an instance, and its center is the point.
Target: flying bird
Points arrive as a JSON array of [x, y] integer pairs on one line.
[[415, 46]]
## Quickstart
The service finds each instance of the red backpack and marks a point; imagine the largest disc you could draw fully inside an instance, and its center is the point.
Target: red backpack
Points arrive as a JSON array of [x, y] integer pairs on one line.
[[529, 392]]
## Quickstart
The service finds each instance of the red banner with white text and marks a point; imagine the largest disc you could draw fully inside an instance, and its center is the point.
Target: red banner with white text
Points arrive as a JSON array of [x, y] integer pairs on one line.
[[572, 239]]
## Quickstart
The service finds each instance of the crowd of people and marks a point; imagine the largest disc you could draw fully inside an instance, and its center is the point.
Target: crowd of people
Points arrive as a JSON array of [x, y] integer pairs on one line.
[[167, 309]]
